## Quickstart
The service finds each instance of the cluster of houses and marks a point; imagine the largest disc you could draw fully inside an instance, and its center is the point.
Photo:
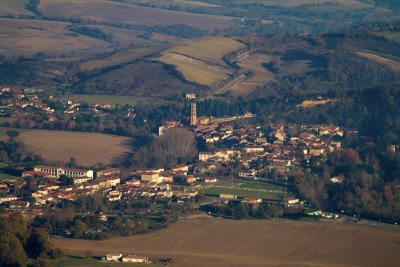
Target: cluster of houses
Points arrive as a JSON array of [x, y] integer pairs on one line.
[[15, 102], [150, 183], [259, 149]]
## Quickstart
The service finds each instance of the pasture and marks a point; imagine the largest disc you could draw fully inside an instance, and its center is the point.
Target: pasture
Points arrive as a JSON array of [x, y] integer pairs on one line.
[[220, 242], [104, 11], [112, 100], [27, 37], [88, 148]]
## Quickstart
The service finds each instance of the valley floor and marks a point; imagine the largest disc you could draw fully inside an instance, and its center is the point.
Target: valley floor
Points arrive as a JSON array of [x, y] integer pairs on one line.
[[220, 242]]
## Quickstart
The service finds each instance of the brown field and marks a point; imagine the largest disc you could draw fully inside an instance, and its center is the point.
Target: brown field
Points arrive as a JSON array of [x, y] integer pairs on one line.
[[201, 60], [312, 103], [210, 49], [126, 37], [394, 65], [20, 36], [120, 58], [218, 242], [292, 3], [102, 10], [87, 148], [196, 70], [14, 7], [260, 76], [113, 100], [190, 3]]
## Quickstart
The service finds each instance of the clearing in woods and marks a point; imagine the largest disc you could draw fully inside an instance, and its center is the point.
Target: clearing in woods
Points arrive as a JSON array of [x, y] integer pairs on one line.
[[87, 148], [219, 242], [313, 103], [201, 60]]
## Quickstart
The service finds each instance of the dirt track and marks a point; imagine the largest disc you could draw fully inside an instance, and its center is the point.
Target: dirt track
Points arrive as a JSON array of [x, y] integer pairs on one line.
[[217, 242]]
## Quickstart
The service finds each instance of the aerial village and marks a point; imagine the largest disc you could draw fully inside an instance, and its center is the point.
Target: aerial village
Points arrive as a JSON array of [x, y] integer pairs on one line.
[[262, 157]]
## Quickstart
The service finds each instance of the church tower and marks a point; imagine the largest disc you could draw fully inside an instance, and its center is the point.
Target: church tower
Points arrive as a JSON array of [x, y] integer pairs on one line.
[[193, 114]]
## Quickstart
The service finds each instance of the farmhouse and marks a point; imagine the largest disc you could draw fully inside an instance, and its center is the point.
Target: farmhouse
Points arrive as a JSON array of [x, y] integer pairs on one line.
[[113, 257], [56, 172], [135, 259]]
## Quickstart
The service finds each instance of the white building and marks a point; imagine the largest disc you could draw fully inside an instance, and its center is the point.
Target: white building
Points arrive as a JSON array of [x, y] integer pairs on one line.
[[56, 172], [135, 259]]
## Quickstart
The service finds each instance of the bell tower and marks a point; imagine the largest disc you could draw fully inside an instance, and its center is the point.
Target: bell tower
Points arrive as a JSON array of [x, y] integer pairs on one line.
[[193, 114]]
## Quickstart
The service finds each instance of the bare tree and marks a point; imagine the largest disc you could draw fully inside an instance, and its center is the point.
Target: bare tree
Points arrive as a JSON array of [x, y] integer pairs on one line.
[[176, 146]]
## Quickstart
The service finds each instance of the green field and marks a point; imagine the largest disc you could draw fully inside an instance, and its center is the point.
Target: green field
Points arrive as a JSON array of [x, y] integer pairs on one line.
[[260, 186], [85, 262], [113, 100], [392, 35], [242, 192]]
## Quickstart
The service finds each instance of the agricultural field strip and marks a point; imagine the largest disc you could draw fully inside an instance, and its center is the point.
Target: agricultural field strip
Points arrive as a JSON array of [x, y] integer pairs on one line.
[[119, 58], [243, 191]]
